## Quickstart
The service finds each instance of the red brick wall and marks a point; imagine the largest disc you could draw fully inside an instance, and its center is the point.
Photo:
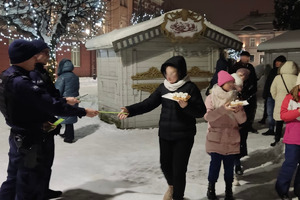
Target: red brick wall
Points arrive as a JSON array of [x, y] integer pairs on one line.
[[4, 59], [85, 69]]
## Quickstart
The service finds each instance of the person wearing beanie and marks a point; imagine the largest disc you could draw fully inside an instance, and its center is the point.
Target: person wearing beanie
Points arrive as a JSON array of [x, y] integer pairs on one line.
[[223, 137], [41, 78], [290, 113], [20, 51], [26, 108], [224, 77], [277, 63], [281, 86], [249, 89], [177, 125]]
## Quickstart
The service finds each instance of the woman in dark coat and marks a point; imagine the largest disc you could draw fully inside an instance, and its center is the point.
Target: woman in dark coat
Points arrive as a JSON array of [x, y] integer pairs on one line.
[[68, 85], [176, 125], [224, 64]]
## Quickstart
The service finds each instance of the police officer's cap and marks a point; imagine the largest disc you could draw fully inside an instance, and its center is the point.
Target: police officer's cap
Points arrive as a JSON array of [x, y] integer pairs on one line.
[[40, 45], [20, 51]]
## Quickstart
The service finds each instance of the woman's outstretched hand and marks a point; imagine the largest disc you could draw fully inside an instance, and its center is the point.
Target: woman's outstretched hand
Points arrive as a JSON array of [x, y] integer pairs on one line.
[[123, 113]]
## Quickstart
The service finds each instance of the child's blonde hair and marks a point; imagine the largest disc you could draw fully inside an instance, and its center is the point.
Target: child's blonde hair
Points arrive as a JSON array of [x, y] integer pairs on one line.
[[295, 93]]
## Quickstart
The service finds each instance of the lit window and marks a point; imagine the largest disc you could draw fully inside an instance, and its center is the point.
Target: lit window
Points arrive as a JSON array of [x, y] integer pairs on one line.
[[252, 42], [75, 57]]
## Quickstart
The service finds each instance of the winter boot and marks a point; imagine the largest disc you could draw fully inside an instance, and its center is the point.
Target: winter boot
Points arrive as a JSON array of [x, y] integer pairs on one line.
[[228, 192], [211, 191], [169, 194], [285, 197], [297, 191], [273, 144], [52, 194], [238, 170], [269, 132], [236, 181]]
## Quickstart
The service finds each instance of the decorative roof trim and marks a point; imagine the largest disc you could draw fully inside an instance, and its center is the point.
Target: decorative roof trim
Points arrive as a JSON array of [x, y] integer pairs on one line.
[[137, 38], [222, 39]]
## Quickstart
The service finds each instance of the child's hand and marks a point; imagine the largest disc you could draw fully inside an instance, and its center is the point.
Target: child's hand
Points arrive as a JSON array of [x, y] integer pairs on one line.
[[228, 107], [182, 103], [238, 108]]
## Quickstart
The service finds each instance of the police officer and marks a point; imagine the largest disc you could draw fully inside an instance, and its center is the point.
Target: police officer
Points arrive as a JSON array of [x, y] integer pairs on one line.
[[41, 78], [26, 108]]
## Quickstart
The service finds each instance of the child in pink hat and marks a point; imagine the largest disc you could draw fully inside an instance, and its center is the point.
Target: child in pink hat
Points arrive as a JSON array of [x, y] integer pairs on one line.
[[223, 137]]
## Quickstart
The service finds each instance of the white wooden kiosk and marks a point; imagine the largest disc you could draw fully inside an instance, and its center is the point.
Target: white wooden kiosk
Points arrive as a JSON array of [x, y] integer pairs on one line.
[[129, 59], [287, 44]]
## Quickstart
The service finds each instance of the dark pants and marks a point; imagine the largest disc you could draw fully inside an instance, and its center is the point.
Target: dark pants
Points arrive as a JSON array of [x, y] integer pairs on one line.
[[278, 132], [69, 132], [174, 158], [289, 166], [25, 182], [215, 166], [270, 110], [250, 111], [49, 149], [265, 115]]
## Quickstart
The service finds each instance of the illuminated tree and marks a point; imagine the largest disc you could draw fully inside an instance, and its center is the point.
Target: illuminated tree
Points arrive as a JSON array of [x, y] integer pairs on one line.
[[55, 21]]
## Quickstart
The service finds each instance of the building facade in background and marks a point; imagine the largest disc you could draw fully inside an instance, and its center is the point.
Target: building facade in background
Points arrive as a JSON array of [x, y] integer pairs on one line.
[[252, 30]]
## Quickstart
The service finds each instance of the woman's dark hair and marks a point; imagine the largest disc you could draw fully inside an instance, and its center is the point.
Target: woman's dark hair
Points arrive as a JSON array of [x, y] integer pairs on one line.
[[222, 54]]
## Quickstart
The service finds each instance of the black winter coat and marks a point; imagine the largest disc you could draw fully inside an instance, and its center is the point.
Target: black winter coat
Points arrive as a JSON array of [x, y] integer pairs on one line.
[[175, 122], [267, 88]]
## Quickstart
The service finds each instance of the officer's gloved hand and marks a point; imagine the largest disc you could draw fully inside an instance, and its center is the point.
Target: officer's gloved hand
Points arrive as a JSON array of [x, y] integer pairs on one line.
[[48, 127], [72, 101]]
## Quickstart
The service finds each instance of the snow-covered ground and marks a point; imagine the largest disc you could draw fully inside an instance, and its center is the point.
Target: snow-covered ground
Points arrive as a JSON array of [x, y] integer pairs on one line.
[[106, 163]]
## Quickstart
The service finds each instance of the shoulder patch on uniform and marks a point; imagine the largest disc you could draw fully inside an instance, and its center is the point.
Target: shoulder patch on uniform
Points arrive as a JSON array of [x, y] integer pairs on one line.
[[25, 77]]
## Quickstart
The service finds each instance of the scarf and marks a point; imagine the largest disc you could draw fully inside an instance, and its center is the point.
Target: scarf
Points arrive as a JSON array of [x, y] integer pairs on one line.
[[173, 87], [220, 97]]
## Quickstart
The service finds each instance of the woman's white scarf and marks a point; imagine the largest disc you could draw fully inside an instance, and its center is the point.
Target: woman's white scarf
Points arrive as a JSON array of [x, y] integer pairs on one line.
[[173, 87], [219, 96]]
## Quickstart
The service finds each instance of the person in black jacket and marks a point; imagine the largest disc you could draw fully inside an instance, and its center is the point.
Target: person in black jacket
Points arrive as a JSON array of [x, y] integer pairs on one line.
[[249, 89], [41, 78], [224, 64], [277, 63], [176, 125]]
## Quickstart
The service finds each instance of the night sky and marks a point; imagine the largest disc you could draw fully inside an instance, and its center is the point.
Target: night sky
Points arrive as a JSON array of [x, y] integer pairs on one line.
[[225, 12]]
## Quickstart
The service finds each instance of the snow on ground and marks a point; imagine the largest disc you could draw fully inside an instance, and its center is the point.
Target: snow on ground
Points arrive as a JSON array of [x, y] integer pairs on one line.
[[106, 163]]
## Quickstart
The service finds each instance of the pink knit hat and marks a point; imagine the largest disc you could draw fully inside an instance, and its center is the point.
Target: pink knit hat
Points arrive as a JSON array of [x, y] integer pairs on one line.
[[224, 77]]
